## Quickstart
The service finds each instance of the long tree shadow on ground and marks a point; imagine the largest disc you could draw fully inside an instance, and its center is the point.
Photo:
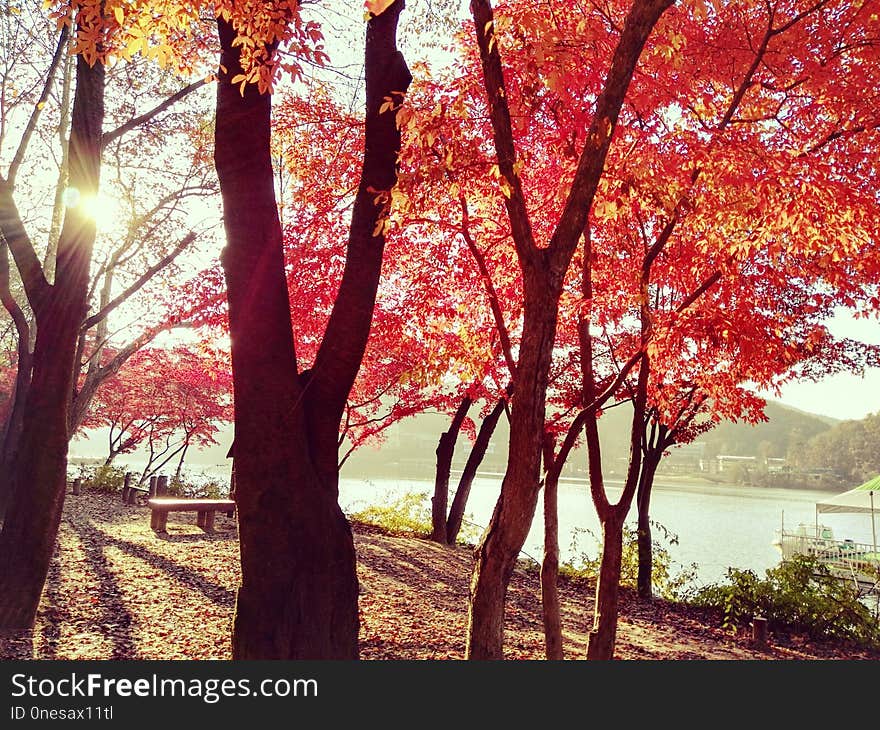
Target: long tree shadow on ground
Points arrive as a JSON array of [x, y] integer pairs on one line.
[[117, 619], [214, 592], [54, 613]]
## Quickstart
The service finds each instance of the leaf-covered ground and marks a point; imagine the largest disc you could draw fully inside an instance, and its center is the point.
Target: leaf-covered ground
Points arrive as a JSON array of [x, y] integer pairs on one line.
[[117, 590]]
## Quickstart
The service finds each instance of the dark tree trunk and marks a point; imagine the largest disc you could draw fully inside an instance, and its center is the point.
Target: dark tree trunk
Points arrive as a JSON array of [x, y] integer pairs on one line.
[[14, 422], [600, 644], [39, 474], [550, 563], [296, 550], [445, 452], [466, 480], [298, 596], [645, 543], [12, 427], [604, 634], [499, 548]]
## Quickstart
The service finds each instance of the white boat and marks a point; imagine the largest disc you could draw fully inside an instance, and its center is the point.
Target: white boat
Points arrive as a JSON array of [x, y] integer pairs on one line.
[[849, 560], [846, 559]]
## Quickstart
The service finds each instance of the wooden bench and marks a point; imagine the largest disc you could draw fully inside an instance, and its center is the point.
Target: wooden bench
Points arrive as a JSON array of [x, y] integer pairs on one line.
[[129, 493], [205, 509]]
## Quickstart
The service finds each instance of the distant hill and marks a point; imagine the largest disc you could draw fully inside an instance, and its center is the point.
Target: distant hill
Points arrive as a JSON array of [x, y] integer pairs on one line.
[[409, 448], [773, 438], [830, 420], [408, 451]]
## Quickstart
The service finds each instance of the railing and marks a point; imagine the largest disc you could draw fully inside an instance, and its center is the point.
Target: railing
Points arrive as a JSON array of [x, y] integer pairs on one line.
[[858, 560]]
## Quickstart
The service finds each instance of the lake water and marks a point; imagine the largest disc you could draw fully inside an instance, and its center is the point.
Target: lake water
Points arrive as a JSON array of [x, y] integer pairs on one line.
[[718, 526]]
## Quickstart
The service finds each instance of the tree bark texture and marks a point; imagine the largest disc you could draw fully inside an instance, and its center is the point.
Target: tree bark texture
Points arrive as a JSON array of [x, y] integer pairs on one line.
[[445, 451], [507, 530], [550, 571], [469, 473], [298, 596], [644, 582], [39, 473], [12, 428], [602, 638]]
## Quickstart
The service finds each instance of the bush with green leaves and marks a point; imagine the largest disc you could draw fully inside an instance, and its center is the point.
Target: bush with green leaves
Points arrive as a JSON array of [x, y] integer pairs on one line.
[[407, 514], [801, 595], [667, 581], [199, 489], [102, 478]]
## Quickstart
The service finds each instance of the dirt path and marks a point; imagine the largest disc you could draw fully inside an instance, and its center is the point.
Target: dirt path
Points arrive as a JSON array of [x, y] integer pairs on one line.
[[117, 590]]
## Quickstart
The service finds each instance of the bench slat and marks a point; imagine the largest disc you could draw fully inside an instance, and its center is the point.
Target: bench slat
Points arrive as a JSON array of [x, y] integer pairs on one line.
[[186, 505], [161, 506]]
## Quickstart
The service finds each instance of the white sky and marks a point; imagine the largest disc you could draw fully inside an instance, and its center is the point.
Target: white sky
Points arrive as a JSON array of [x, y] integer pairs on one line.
[[841, 396]]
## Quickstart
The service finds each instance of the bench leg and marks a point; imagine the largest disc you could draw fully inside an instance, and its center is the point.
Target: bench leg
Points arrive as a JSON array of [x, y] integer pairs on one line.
[[159, 520], [209, 521], [200, 518]]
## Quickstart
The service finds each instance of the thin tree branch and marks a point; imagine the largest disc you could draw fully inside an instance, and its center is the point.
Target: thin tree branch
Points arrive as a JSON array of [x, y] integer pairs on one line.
[[38, 108], [138, 283], [131, 124]]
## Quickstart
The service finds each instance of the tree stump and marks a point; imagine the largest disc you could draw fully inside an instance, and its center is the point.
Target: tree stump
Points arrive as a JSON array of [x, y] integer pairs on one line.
[[76, 486]]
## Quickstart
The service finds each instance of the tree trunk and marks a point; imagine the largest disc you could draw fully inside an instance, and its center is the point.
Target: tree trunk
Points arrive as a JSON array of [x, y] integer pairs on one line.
[[602, 638], [14, 422], [180, 461], [550, 570], [298, 587], [645, 544], [466, 480], [63, 168], [504, 537], [298, 596], [40, 469], [445, 452]]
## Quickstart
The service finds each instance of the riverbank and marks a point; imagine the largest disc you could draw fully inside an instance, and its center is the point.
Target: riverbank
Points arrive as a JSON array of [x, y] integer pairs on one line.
[[118, 591]]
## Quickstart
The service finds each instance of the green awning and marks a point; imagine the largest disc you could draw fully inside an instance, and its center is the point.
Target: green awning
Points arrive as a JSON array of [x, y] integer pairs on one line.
[[864, 498], [870, 485]]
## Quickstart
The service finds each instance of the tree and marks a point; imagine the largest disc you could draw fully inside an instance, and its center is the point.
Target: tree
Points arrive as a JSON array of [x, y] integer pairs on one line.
[[167, 401], [298, 597], [740, 298], [544, 269], [40, 468], [57, 291], [649, 163], [135, 252]]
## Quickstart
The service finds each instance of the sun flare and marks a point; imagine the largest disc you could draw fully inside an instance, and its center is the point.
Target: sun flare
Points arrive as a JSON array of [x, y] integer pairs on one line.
[[99, 208]]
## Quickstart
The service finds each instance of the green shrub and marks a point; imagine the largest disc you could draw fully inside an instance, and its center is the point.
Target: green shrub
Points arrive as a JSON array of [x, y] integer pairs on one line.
[[801, 595], [103, 478], [209, 489], [666, 581], [407, 514]]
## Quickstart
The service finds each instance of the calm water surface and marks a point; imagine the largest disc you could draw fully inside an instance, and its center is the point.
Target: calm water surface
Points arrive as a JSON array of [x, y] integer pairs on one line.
[[718, 526]]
